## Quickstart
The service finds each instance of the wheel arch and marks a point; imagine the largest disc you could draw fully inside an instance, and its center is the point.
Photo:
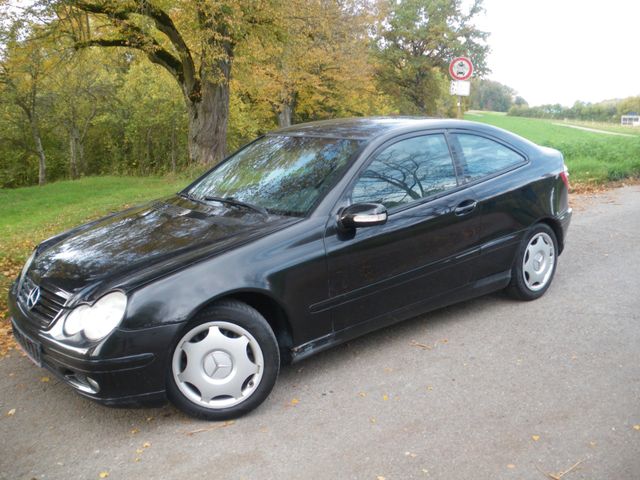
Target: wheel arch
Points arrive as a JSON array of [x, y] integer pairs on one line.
[[273, 312], [557, 230]]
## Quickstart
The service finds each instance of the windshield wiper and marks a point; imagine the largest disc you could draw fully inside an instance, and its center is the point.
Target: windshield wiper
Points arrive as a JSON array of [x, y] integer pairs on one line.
[[237, 203], [188, 196]]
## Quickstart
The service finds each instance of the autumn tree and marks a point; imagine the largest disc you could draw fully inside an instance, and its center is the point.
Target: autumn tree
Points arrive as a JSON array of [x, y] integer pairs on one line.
[[490, 95], [194, 41], [416, 40], [317, 66], [23, 67]]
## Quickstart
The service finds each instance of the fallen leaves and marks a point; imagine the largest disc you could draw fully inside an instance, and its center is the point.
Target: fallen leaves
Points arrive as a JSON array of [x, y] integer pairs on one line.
[[636, 427], [45, 379], [385, 397], [294, 402], [424, 346], [511, 466], [535, 438], [104, 474], [559, 475], [215, 426], [11, 412]]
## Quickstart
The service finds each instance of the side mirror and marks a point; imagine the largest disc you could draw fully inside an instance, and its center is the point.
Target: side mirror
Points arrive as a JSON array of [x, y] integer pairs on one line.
[[362, 215]]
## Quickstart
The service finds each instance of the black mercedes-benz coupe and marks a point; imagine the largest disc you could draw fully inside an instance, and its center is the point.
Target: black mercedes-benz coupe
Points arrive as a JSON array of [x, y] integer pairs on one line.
[[305, 238]]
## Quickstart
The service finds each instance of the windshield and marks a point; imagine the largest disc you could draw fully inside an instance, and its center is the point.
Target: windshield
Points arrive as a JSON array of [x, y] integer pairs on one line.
[[284, 175]]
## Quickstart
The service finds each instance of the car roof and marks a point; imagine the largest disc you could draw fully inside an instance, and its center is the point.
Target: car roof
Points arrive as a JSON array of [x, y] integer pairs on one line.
[[368, 127]]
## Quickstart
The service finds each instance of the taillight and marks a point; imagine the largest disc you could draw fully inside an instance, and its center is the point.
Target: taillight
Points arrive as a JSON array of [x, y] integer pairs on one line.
[[565, 177]]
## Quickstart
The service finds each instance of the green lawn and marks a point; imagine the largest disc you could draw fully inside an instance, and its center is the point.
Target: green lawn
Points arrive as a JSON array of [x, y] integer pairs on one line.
[[592, 158]]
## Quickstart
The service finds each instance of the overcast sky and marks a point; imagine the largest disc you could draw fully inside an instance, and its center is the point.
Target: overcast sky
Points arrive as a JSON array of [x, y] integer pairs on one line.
[[560, 51]]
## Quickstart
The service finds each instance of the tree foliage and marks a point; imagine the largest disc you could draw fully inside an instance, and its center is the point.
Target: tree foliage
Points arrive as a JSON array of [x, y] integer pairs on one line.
[[152, 86], [490, 95], [415, 42]]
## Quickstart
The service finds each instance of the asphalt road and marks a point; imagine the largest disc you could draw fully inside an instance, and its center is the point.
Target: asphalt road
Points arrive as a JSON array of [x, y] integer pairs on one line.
[[496, 389]]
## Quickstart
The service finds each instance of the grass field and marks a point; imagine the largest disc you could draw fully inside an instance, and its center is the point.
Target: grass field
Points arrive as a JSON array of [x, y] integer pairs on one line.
[[592, 158]]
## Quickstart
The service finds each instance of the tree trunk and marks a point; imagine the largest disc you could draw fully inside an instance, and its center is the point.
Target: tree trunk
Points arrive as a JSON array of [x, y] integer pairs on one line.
[[285, 110], [73, 152], [42, 159], [173, 146], [208, 123]]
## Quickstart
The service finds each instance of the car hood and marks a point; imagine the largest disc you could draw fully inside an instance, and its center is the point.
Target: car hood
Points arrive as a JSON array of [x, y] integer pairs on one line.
[[152, 238]]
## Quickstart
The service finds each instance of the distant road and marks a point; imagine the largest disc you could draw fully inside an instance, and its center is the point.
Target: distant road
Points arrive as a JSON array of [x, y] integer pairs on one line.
[[594, 130]]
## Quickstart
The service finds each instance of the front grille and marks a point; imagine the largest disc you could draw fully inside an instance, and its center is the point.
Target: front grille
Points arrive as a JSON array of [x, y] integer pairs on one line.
[[47, 307], [30, 347]]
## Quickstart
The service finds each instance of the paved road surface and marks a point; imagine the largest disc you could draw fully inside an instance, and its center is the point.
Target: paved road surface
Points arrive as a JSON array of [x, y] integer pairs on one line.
[[506, 390]]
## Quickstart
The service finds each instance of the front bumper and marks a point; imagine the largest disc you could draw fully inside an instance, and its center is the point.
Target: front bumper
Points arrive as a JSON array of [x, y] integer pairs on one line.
[[128, 368]]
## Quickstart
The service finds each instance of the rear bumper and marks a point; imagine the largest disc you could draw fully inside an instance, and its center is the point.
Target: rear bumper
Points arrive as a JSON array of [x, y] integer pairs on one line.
[[126, 369], [565, 221]]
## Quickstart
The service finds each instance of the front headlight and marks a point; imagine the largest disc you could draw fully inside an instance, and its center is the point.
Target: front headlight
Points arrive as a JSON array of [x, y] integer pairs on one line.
[[27, 264], [100, 319]]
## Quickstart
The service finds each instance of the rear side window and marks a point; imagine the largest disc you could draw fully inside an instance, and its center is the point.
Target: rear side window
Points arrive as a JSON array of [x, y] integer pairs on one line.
[[484, 157], [407, 171]]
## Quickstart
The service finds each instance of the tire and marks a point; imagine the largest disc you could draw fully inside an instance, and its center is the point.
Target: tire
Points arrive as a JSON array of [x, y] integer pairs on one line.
[[535, 264], [224, 363]]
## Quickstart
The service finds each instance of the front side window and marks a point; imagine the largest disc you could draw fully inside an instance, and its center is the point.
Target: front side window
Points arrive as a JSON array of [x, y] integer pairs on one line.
[[407, 171], [484, 157], [281, 174]]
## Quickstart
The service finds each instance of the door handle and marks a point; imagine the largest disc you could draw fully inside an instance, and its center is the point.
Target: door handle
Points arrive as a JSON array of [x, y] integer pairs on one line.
[[465, 207]]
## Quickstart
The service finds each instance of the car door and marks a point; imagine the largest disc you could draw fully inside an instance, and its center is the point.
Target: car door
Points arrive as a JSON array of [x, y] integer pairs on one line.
[[423, 251], [493, 169]]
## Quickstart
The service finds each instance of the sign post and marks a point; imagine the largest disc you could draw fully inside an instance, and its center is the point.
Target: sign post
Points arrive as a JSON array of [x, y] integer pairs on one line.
[[460, 70]]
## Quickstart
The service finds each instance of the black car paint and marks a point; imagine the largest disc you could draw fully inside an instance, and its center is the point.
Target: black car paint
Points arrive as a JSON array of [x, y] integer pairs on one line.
[[316, 285]]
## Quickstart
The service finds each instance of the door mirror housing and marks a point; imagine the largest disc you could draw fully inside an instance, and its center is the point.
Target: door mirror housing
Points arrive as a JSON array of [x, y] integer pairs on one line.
[[361, 215]]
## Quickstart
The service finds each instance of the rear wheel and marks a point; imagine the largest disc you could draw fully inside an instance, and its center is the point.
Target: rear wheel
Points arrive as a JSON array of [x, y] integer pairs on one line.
[[224, 364], [535, 264]]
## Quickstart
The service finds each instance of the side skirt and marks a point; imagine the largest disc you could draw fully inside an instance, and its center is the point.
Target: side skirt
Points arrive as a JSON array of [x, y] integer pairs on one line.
[[478, 288]]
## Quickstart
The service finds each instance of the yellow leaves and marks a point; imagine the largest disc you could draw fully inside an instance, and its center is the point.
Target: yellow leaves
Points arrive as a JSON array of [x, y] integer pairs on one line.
[[410, 454], [362, 394], [511, 466], [380, 477], [295, 402], [636, 427], [11, 412], [373, 420], [146, 445], [215, 426], [45, 379], [535, 438], [385, 397], [104, 474], [134, 431]]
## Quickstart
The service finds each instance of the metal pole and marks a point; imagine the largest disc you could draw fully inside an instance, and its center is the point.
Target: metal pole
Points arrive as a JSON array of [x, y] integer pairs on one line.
[[459, 107]]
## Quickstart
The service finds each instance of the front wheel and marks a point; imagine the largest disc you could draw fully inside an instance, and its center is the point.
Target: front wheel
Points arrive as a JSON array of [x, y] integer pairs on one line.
[[224, 364], [535, 264]]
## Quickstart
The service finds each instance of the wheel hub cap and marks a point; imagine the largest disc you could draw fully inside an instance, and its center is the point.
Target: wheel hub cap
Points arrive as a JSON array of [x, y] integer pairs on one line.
[[538, 262], [218, 364]]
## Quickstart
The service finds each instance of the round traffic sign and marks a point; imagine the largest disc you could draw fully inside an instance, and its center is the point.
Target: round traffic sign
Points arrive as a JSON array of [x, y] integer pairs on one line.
[[460, 68]]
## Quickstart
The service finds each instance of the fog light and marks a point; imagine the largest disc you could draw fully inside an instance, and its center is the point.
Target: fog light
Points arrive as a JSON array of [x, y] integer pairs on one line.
[[94, 384], [82, 382]]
